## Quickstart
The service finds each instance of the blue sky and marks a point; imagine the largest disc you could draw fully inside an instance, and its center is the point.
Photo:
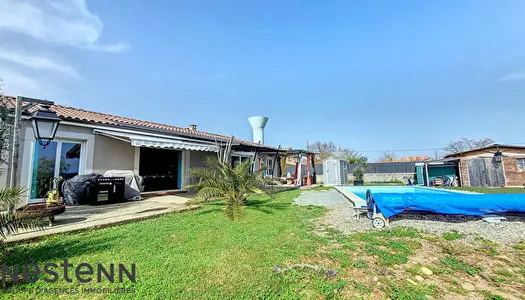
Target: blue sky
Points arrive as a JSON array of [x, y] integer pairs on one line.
[[369, 75]]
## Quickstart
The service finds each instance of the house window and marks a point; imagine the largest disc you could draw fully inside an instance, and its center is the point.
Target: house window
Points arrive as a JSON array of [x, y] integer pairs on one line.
[[237, 160], [59, 158], [521, 164]]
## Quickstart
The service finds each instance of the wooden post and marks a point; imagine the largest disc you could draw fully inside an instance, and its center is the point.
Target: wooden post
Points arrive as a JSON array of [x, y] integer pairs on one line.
[[426, 174], [13, 165]]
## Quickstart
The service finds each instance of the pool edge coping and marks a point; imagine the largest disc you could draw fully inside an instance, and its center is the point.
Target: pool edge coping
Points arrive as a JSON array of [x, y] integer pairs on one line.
[[353, 198]]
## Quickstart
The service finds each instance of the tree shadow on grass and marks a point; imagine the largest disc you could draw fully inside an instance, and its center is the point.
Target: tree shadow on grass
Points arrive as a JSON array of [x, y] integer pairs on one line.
[[57, 249], [266, 206], [209, 211]]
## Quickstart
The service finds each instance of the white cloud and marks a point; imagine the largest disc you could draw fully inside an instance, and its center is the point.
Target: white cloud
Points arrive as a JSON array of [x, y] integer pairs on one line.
[[114, 48], [35, 35], [60, 22], [513, 76], [16, 83], [38, 62]]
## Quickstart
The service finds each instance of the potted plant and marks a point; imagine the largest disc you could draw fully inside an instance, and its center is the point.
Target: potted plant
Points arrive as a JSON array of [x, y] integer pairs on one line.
[[359, 174]]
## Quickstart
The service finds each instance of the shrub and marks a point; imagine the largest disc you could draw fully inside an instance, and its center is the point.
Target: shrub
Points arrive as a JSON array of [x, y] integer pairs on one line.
[[233, 184]]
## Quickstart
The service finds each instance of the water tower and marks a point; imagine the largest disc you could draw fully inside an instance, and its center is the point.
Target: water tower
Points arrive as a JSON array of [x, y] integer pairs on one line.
[[258, 124]]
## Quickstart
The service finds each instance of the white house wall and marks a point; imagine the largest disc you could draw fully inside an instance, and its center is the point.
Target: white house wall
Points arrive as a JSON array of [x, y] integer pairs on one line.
[[99, 154], [112, 154]]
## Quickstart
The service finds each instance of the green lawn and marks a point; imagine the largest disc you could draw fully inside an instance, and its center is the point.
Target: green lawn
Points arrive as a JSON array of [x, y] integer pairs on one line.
[[202, 254], [487, 190]]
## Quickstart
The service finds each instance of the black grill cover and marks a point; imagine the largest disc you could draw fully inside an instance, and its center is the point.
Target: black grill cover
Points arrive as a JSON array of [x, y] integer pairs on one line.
[[80, 189]]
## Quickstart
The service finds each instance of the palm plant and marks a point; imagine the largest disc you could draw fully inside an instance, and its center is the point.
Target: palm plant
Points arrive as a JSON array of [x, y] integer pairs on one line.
[[10, 222], [218, 179]]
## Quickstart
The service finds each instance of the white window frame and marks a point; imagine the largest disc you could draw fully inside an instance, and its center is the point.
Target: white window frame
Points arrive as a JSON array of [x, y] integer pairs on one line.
[[520, 164]]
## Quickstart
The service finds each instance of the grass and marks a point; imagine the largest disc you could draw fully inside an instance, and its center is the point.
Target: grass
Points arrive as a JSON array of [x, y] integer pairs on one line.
[[453, 235], [458, 264], [321, 188], [488, 190], [195, 254], [490, 296], [202, 254]]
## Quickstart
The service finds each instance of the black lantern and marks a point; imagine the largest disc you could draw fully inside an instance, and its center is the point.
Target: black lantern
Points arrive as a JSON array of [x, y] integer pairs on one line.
[[45, 124], [498, 157]]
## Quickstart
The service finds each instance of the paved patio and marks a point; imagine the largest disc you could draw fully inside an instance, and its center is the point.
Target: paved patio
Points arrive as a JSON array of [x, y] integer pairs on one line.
[[86, 217]]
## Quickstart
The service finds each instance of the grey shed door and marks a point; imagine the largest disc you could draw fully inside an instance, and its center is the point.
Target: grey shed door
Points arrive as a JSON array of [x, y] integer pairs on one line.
[[483, 172]]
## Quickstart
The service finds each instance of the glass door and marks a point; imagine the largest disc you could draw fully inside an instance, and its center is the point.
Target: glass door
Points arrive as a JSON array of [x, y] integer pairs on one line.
[[59, 158]]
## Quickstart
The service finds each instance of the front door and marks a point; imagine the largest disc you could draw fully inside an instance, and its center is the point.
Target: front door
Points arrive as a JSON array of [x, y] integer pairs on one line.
[[59, 158]]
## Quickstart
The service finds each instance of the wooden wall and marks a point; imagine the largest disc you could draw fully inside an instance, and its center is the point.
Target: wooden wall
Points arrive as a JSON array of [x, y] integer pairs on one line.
[[513, 175]]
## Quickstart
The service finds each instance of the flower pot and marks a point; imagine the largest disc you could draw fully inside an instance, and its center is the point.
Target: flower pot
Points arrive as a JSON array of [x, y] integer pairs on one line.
[[359, 182]]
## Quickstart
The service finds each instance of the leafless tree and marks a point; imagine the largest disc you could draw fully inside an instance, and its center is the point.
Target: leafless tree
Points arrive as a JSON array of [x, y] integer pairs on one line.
[[323, 150], [352, 156], [465, 144], [387, 157]]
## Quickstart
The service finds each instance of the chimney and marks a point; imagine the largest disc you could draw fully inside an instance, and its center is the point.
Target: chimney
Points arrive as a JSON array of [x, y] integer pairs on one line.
[[193, 127], [258, 124]]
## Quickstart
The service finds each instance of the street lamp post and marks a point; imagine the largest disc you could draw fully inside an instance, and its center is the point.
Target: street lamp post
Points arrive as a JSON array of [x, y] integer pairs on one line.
[[45, 124]]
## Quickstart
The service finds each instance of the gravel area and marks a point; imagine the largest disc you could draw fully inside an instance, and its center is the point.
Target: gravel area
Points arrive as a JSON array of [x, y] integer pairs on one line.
[[320, 198], [342, 217]]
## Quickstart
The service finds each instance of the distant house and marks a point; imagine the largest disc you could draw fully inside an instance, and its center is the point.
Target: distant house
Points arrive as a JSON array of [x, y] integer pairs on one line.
[[492, 166], [88, 141]]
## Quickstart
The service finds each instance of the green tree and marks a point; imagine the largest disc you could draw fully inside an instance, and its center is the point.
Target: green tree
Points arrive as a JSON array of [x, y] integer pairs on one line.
[[218, 179]]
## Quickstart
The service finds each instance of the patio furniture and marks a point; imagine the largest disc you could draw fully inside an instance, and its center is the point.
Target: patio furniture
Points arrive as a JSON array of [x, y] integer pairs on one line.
[[42, 209]]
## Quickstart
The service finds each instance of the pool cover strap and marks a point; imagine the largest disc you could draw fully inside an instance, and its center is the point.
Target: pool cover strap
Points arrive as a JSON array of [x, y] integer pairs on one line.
[[391, 204]]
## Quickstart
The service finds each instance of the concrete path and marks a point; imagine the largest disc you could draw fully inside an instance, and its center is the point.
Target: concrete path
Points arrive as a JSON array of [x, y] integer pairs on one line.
[[321, 198], [86, 217]]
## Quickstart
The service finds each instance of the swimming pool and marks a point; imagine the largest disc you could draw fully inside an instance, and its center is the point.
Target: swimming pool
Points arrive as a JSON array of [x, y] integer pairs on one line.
[[360, 191]]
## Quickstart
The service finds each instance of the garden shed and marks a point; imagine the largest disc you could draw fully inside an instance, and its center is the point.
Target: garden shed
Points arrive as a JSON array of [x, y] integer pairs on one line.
[[492, 166], [335, 171]]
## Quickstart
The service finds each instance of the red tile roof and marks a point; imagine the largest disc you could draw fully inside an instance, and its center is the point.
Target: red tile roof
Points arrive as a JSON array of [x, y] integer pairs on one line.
[[86, 116]]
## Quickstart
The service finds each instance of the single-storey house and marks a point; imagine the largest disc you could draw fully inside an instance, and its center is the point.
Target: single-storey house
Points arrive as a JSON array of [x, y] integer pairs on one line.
[[92, 142], [493, 166]]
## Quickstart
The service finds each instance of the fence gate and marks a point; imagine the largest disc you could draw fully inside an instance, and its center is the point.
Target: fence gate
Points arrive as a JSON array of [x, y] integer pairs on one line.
[[483, 172]]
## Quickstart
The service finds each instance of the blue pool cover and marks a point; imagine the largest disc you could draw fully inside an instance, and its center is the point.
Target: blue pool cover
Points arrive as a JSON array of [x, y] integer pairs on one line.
[[391, 204]]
